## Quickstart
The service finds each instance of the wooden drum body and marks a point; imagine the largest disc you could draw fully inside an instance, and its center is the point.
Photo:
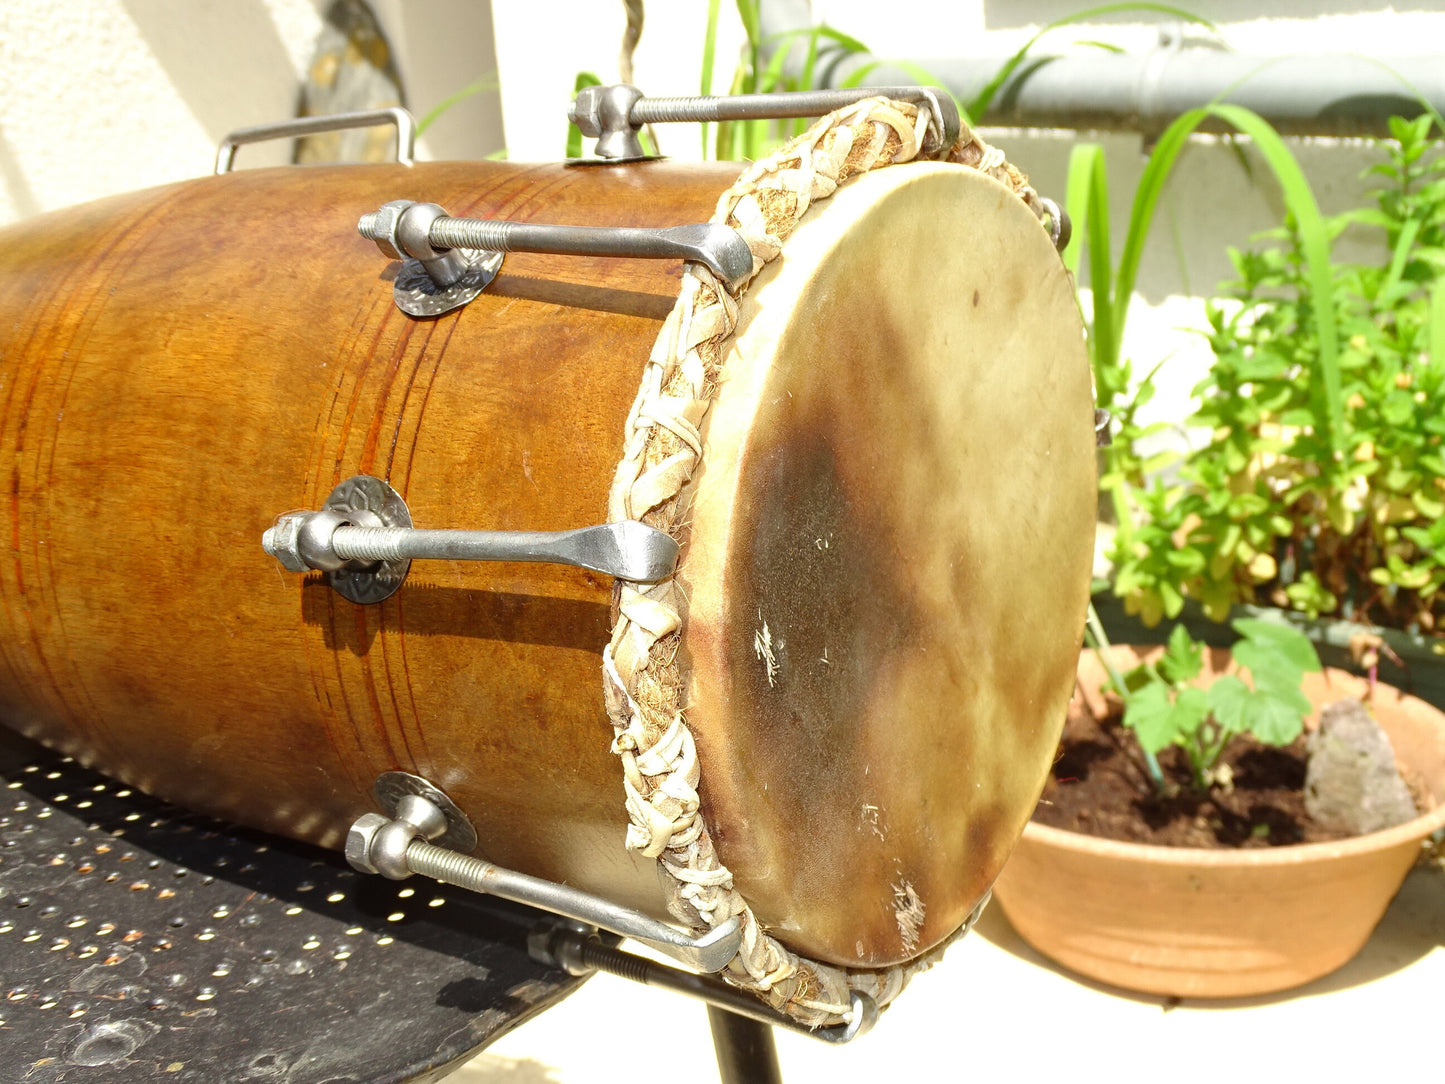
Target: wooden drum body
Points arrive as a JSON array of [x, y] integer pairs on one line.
[[887, 554]]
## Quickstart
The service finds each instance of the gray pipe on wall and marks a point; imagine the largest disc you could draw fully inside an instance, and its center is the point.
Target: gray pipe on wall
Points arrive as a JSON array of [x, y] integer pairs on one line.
[[1306, 95], [1330, 95]]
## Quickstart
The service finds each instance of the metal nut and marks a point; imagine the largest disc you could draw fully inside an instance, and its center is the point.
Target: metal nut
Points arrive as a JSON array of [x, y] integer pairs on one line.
[[381, 226], [413, 230], [283, 542], [389, 847], [605, 113], [313, 540], [586, 111], [359, 839]]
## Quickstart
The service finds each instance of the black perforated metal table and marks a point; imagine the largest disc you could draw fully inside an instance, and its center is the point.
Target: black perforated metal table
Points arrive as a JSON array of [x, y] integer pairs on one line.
[[139, 942]]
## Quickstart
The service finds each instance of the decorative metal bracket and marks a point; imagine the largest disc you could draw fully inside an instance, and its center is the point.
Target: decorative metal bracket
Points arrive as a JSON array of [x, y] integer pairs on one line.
[[448, 261], [399, 845], [332, 122], [363, 539], [615, 115]]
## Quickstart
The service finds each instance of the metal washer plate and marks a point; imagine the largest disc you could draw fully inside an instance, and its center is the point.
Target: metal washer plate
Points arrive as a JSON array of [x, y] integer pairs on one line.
[[391, 787], [417, 294], [364, 493]]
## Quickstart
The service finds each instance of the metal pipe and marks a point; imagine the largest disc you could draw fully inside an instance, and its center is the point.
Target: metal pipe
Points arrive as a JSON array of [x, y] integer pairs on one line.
[[1329, 95], [1302, 95]]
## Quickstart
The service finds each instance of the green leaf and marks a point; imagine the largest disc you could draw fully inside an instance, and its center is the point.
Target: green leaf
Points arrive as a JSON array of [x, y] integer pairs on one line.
[[1287, 641], [1184, 658], [1273, 719], [1149, 715], [1228, 698], [1158, 722]]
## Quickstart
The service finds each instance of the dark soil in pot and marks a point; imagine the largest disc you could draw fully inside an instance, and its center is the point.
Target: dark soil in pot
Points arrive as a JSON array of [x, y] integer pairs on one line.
[[1099, 786]]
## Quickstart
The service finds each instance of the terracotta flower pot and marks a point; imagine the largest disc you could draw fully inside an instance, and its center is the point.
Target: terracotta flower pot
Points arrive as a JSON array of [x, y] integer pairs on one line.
[[1195, 922]]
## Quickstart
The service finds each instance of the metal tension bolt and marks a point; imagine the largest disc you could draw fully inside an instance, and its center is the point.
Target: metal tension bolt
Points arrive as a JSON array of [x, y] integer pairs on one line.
[[448, 261], [400, 846], [363, 539], [615, 115]]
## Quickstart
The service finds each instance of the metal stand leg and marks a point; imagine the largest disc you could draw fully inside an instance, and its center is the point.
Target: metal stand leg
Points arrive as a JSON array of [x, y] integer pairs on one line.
[[745, 1050]]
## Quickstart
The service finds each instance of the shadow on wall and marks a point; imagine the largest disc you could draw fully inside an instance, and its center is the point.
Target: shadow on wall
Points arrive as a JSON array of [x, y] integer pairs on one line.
[[196, 51], [444, 47], [999, 15], [22, 197], [229, 65]]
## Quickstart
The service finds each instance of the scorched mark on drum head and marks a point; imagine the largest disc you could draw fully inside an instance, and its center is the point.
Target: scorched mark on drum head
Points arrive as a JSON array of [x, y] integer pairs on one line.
[[828, 610]]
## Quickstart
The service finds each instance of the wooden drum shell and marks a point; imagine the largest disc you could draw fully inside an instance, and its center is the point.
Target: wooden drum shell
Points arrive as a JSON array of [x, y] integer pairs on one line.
[[182, 365]]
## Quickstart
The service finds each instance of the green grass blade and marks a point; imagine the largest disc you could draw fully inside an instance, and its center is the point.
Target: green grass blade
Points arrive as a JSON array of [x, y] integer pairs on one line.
[[748, 14], [1146, 201], [574, 134], [1300, 201], [1087, 200], [752, 27], [1437, 330], [1315, 241], [1401, 256], [856, 77], [984, 98], [488, 82], [709, 56]]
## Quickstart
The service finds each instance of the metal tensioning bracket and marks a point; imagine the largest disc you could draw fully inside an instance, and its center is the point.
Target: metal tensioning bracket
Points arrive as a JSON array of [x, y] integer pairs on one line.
[[615, 115], [364, 541], [399, 845], [447, 261]]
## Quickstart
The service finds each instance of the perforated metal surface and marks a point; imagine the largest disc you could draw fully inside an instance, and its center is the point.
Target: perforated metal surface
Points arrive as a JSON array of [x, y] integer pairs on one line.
[[140, 942]]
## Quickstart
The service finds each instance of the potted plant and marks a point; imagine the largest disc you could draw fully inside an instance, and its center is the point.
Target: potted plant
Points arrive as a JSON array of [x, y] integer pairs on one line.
[[1320, 486], [1209, 743]]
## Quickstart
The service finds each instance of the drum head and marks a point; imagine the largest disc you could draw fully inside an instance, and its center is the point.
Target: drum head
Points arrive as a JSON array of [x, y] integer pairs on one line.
[[889, 561]]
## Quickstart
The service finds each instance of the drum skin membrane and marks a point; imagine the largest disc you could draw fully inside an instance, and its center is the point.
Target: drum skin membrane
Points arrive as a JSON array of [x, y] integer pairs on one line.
[[888, 561]]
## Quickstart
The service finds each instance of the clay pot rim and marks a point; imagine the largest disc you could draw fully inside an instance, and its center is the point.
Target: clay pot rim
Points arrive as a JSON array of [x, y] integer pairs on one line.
[[1412, 831]]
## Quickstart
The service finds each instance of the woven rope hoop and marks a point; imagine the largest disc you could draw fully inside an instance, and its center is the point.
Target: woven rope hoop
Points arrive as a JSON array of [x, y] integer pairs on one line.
[[643, 681]]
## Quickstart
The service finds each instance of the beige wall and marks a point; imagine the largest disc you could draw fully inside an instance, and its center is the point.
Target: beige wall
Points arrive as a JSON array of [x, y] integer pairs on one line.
[[100, 96], [103, 96]]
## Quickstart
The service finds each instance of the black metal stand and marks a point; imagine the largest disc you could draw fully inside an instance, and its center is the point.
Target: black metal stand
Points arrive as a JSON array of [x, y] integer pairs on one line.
[[745, 1050], [138, 941]]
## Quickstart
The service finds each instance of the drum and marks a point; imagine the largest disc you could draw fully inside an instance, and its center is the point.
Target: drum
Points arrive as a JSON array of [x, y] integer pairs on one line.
[[834, 720]]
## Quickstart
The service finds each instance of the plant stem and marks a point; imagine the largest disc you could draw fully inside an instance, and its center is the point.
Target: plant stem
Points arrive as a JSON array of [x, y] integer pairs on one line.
[[1100, 644]]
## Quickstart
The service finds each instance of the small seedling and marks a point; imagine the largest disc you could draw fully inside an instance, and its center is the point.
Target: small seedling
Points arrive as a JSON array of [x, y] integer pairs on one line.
[[1163, 707]]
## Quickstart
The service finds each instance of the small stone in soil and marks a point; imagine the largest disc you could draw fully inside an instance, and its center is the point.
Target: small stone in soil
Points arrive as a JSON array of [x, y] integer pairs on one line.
[[1351, 783]]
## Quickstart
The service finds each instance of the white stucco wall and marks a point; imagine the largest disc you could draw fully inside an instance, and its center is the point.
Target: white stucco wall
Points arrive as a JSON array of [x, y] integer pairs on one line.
[[105, 96], [101, 96]]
